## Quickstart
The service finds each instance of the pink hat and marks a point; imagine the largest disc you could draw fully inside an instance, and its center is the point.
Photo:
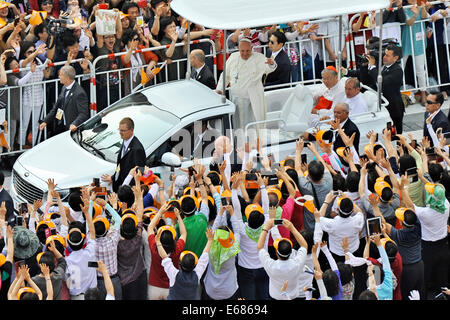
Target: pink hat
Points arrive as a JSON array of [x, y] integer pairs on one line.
[[326, 158]]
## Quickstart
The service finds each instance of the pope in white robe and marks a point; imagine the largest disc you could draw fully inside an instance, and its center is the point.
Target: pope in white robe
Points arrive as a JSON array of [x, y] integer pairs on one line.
[[244, 72]]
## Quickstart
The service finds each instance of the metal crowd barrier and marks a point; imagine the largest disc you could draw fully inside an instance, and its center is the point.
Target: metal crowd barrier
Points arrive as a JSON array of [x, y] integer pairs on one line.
[[95, 74], [424, 41], [298, 44], [7, 95]]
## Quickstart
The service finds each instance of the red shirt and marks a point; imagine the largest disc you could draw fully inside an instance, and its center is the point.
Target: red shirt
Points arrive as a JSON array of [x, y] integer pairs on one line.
[[34, 5], [288, 209], [297, 216], [219, 58], [359, 48], [158, 277], [397, 268]]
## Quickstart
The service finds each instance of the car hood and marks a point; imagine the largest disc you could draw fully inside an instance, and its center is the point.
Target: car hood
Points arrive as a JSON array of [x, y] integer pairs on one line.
[[65, 161]]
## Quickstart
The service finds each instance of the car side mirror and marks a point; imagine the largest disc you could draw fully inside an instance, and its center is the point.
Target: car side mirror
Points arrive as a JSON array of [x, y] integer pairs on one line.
[[171, 160]]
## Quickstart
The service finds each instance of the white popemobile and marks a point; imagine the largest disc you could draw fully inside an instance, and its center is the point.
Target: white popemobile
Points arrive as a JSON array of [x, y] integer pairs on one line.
[[73, 159]]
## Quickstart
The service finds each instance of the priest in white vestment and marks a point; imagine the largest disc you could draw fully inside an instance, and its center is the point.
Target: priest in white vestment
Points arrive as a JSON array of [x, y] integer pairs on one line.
[[326, 95], [354, 98], [244, 72]]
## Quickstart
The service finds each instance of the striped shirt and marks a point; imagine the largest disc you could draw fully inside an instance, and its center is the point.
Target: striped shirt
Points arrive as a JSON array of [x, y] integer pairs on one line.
[[106, 251]]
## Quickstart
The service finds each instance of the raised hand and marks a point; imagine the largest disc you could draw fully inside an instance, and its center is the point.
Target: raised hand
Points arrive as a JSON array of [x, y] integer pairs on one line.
[[209, 234], [51, 184], [45, 270]]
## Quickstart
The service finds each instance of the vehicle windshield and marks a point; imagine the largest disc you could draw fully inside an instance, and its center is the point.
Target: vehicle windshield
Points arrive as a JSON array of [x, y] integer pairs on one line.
[[100, 134]]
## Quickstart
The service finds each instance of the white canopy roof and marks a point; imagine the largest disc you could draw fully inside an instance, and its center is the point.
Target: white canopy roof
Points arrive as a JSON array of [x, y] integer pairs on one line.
[[238, 14]]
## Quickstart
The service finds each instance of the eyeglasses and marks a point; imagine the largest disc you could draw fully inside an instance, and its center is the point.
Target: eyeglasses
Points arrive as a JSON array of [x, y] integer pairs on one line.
[[135, 39], [430, 102], [47, 3]]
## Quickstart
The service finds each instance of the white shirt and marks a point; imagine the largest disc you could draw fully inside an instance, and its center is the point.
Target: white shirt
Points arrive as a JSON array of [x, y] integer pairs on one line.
[[332, 28], [305, 279], [126, 143], [433, 223], [224, 284], [390, 30], [354, 196], [339, 228], [248, 257], [356, 105], [69, 87], [172, 272], [274, 54], [79, 277], [281, 270], [335, 94], [198, 70]]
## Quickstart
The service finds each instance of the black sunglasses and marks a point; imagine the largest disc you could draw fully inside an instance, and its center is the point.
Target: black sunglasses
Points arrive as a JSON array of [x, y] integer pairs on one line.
[[430, 102]]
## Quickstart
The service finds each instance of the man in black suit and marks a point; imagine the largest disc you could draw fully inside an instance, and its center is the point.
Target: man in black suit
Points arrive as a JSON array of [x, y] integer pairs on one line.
[[435, 116], [203, 139], [10, 217], [392, 74], [131, 154], [200, 70], [72, 107], [282, 73], [341, 112]]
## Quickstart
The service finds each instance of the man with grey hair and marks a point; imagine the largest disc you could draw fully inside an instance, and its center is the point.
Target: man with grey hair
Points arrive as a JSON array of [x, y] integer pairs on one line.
[[200, 70], [354, 98], [341, 112], [342, 121], [72, 107], [330, 92], [244, 71]]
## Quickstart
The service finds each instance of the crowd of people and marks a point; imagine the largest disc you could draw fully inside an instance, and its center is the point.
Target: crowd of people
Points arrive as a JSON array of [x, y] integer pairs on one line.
[[349, 224], [37, 33], [341, 226]]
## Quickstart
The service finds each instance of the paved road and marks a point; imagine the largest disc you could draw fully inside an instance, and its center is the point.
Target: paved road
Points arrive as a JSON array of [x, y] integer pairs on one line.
[[412, 123]]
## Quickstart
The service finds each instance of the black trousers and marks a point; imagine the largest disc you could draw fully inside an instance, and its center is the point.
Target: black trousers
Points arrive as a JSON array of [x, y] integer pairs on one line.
[[397, 117], [435, 256], [253, 283], [137, 289], [413, 279]]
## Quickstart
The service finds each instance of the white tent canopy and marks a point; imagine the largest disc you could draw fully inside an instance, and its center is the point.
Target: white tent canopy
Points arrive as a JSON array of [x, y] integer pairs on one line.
[[239, 14]]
